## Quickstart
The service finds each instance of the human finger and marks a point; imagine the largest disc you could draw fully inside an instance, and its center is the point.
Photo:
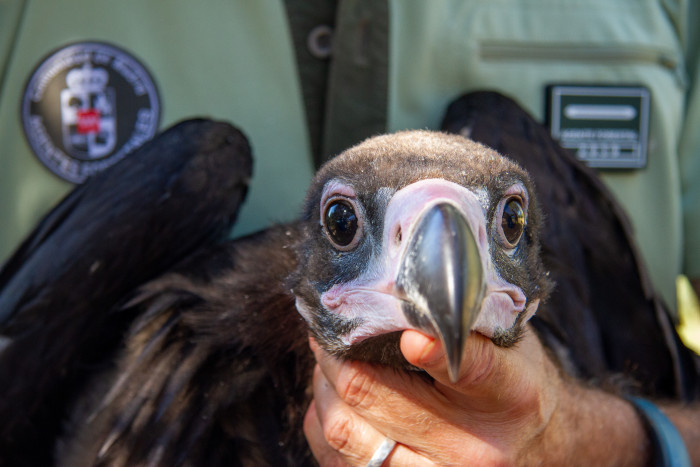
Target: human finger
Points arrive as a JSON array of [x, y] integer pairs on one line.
[[403, 405], [321, 450], [505, 387], [339, 436]]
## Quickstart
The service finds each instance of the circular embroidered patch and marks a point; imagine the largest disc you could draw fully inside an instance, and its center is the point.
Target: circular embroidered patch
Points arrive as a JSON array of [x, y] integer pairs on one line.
[[86, 106]]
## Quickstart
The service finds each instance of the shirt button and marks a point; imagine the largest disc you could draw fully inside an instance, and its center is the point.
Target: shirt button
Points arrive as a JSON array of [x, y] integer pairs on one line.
[[320, 41]]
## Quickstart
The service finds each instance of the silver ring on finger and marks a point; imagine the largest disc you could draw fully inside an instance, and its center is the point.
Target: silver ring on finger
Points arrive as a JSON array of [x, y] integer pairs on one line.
[[382, 453]]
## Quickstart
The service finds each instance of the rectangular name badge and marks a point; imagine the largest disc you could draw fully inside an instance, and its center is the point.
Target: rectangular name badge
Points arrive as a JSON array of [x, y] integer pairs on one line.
[[604, 126]]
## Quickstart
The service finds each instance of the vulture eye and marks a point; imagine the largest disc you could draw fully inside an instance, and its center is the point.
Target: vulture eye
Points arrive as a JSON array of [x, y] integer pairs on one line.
[[512, 221], [341, 223]]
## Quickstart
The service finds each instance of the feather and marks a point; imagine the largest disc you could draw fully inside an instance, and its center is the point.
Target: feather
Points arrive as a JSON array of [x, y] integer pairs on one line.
[[60, 292]]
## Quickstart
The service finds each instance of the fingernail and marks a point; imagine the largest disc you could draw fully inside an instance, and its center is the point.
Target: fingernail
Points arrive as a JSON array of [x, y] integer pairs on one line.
[[426, 358]]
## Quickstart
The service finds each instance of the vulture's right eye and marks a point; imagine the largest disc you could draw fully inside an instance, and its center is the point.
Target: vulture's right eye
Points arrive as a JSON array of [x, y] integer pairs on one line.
[[341, 223]]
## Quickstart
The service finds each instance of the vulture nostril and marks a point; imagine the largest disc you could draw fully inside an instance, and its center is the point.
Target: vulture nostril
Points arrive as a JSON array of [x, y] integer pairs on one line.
[[398, 236], [519, 299]]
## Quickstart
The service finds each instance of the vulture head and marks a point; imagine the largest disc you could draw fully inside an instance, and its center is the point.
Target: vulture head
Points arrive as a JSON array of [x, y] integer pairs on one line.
[[418, 230]]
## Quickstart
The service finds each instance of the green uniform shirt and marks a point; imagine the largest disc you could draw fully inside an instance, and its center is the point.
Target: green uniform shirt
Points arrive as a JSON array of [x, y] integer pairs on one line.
[[265, 66]]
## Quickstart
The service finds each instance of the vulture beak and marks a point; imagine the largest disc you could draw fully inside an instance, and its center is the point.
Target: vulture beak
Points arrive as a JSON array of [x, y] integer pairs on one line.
[[442, 279]]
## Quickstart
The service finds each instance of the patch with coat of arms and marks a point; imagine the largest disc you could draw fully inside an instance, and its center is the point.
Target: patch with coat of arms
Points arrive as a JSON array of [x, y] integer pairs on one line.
[[86, 106]]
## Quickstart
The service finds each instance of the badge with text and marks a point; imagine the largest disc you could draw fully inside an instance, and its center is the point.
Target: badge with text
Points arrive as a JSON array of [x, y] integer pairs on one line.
[[604, 126], [86, 106]]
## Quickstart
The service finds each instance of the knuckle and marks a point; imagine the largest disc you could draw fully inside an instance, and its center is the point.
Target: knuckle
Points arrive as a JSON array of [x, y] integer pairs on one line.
[[356, 387], [337, 433]]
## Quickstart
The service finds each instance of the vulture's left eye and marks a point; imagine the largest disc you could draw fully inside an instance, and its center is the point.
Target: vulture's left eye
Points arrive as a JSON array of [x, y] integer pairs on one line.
[[512, 221], [341, 223]]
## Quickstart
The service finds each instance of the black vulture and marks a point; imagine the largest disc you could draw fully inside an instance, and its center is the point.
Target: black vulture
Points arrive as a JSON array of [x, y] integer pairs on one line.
[[194, 350]]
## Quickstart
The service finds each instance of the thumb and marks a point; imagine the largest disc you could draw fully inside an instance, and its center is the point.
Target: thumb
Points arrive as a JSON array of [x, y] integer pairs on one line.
[[428, 353], [488, 374]]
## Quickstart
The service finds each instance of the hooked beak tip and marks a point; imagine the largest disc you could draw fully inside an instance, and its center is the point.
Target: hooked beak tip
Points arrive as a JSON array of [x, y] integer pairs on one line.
[[441, 275]]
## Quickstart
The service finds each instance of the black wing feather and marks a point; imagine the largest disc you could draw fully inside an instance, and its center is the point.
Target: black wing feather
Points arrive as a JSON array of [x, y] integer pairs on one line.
[[215, 370], [121, 228]]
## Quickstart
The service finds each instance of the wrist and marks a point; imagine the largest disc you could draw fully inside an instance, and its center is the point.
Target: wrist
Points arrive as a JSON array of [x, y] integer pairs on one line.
[[593, 427], [668, 447]]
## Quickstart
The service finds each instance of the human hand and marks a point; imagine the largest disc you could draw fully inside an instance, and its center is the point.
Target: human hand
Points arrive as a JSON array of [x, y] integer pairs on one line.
[[510, 406]]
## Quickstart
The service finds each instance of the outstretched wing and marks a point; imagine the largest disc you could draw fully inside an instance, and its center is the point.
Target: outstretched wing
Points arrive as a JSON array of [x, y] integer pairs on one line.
[[121, 228], [215, 368], [603, 317]]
